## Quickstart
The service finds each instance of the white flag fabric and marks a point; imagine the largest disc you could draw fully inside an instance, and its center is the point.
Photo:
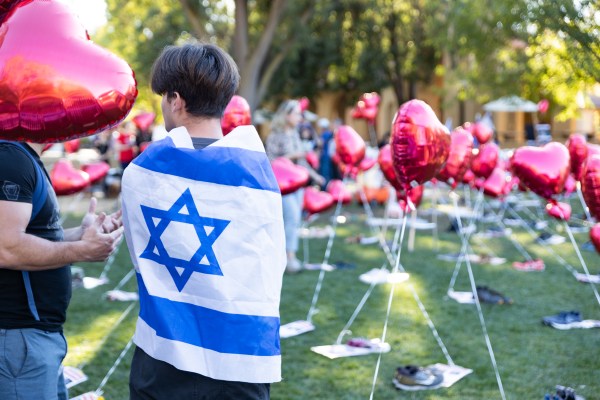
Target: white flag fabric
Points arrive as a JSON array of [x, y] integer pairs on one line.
[[205, 233]]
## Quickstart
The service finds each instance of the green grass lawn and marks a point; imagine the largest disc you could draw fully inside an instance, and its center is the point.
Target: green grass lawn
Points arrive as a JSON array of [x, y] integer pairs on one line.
[[532, 358]]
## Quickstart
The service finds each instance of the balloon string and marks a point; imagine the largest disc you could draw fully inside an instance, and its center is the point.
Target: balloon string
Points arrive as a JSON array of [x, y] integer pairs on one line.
[[112, 369], [367, 207], [512, 239], [391, 262], [313, 305], [465, 248], [583, 264], [389, 306], [125, 279], [586, 209], [532, 233], [111, 330], [110, 261], [478, 305]]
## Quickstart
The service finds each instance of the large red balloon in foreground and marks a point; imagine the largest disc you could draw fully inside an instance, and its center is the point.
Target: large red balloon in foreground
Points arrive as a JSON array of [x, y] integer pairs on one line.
[[420, 143], [55, 84]]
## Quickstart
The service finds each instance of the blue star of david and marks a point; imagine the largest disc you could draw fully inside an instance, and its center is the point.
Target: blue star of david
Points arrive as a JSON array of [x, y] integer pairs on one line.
[[203, 260]]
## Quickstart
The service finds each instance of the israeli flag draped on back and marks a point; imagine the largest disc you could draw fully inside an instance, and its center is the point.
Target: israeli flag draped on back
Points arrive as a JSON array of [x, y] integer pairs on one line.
[[205, 233]]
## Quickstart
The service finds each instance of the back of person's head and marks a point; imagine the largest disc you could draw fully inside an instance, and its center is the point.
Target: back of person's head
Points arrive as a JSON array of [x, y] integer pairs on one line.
[[279, 121], [204, 75]]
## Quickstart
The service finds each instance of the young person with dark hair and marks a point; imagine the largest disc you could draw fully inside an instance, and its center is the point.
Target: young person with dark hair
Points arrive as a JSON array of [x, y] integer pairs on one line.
[[204, 225]]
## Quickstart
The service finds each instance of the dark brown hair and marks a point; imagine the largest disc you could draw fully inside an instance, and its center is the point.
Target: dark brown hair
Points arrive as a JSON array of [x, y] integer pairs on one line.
[[204, 75]]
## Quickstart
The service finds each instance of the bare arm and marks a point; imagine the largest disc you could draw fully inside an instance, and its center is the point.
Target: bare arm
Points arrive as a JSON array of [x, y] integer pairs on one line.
[[22, 251]]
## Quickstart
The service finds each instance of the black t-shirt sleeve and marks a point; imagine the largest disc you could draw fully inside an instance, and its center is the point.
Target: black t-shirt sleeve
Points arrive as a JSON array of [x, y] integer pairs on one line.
[[17, 175]]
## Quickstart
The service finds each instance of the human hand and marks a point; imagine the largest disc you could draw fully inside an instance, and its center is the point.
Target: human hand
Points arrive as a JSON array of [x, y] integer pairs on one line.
[[111, 222], [98, 245]]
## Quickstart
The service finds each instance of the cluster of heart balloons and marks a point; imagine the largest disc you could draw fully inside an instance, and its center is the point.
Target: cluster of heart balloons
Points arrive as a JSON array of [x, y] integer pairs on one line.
[[367, 107], [56, 84]]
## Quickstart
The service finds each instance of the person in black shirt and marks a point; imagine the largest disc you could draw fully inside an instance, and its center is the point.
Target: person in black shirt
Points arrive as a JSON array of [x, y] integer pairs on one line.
[[35, 277]]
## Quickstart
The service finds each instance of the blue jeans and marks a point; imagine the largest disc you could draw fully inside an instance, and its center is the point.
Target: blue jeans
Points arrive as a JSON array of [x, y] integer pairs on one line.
[[292, 218], [30, 365]]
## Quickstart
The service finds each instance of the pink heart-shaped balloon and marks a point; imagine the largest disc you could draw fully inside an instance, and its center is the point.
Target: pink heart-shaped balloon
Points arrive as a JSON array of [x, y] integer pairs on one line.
[[144, 120], [482, 132], [97, 170], [349, 145], [316, 201], [237, 113], [590, 184], [578, 151], [495, 184], [304, 103], [336, 188], [366, 164], [459, 157], [66, 179], [387, 166], [570, 184], [420, 143], [55, 84], [486, 159], [542, 170], [468, 177], [290, 177], [560, 211], [595, 236]]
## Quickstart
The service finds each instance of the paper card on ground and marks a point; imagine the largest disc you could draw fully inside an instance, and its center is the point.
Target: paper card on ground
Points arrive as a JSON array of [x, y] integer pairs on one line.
[[343, 350], [91, 283], [73, 376], [295, 328], [316, 232], [452, 373], [88, 396], [382, 275], [318, 267], [462, 297], [585, 278], [119, 295], [585, 324]]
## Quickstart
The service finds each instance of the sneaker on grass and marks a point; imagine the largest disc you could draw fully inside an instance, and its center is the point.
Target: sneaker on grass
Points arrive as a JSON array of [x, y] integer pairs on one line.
[[412, 377], [490, 296], [562, 318]]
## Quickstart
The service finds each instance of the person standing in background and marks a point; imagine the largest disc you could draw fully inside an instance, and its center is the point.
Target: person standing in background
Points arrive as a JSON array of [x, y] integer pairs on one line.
[[284, 141]]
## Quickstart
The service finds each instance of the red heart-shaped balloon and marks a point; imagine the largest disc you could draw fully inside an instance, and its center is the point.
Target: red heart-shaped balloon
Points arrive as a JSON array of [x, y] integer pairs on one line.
[[578, 151], [560, 211], [349, 146], [304, 103], [482, 132], [316, 201], [97, 170], [495, 184], [459, 157], [144, 120], [72, 146], [66, 179], [542, 170], [590, 184], [237, 113], [468, 177], [595, 236], [486, 159], [387, 166], [55, 84], [570, 184], [336, 188], [312, 159], [290, 177], [420, 143], [414, 194]]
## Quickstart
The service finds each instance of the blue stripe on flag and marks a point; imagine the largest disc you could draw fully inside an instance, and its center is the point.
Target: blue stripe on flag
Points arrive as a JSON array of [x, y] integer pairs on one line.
[[209, 329], [237, 167]]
